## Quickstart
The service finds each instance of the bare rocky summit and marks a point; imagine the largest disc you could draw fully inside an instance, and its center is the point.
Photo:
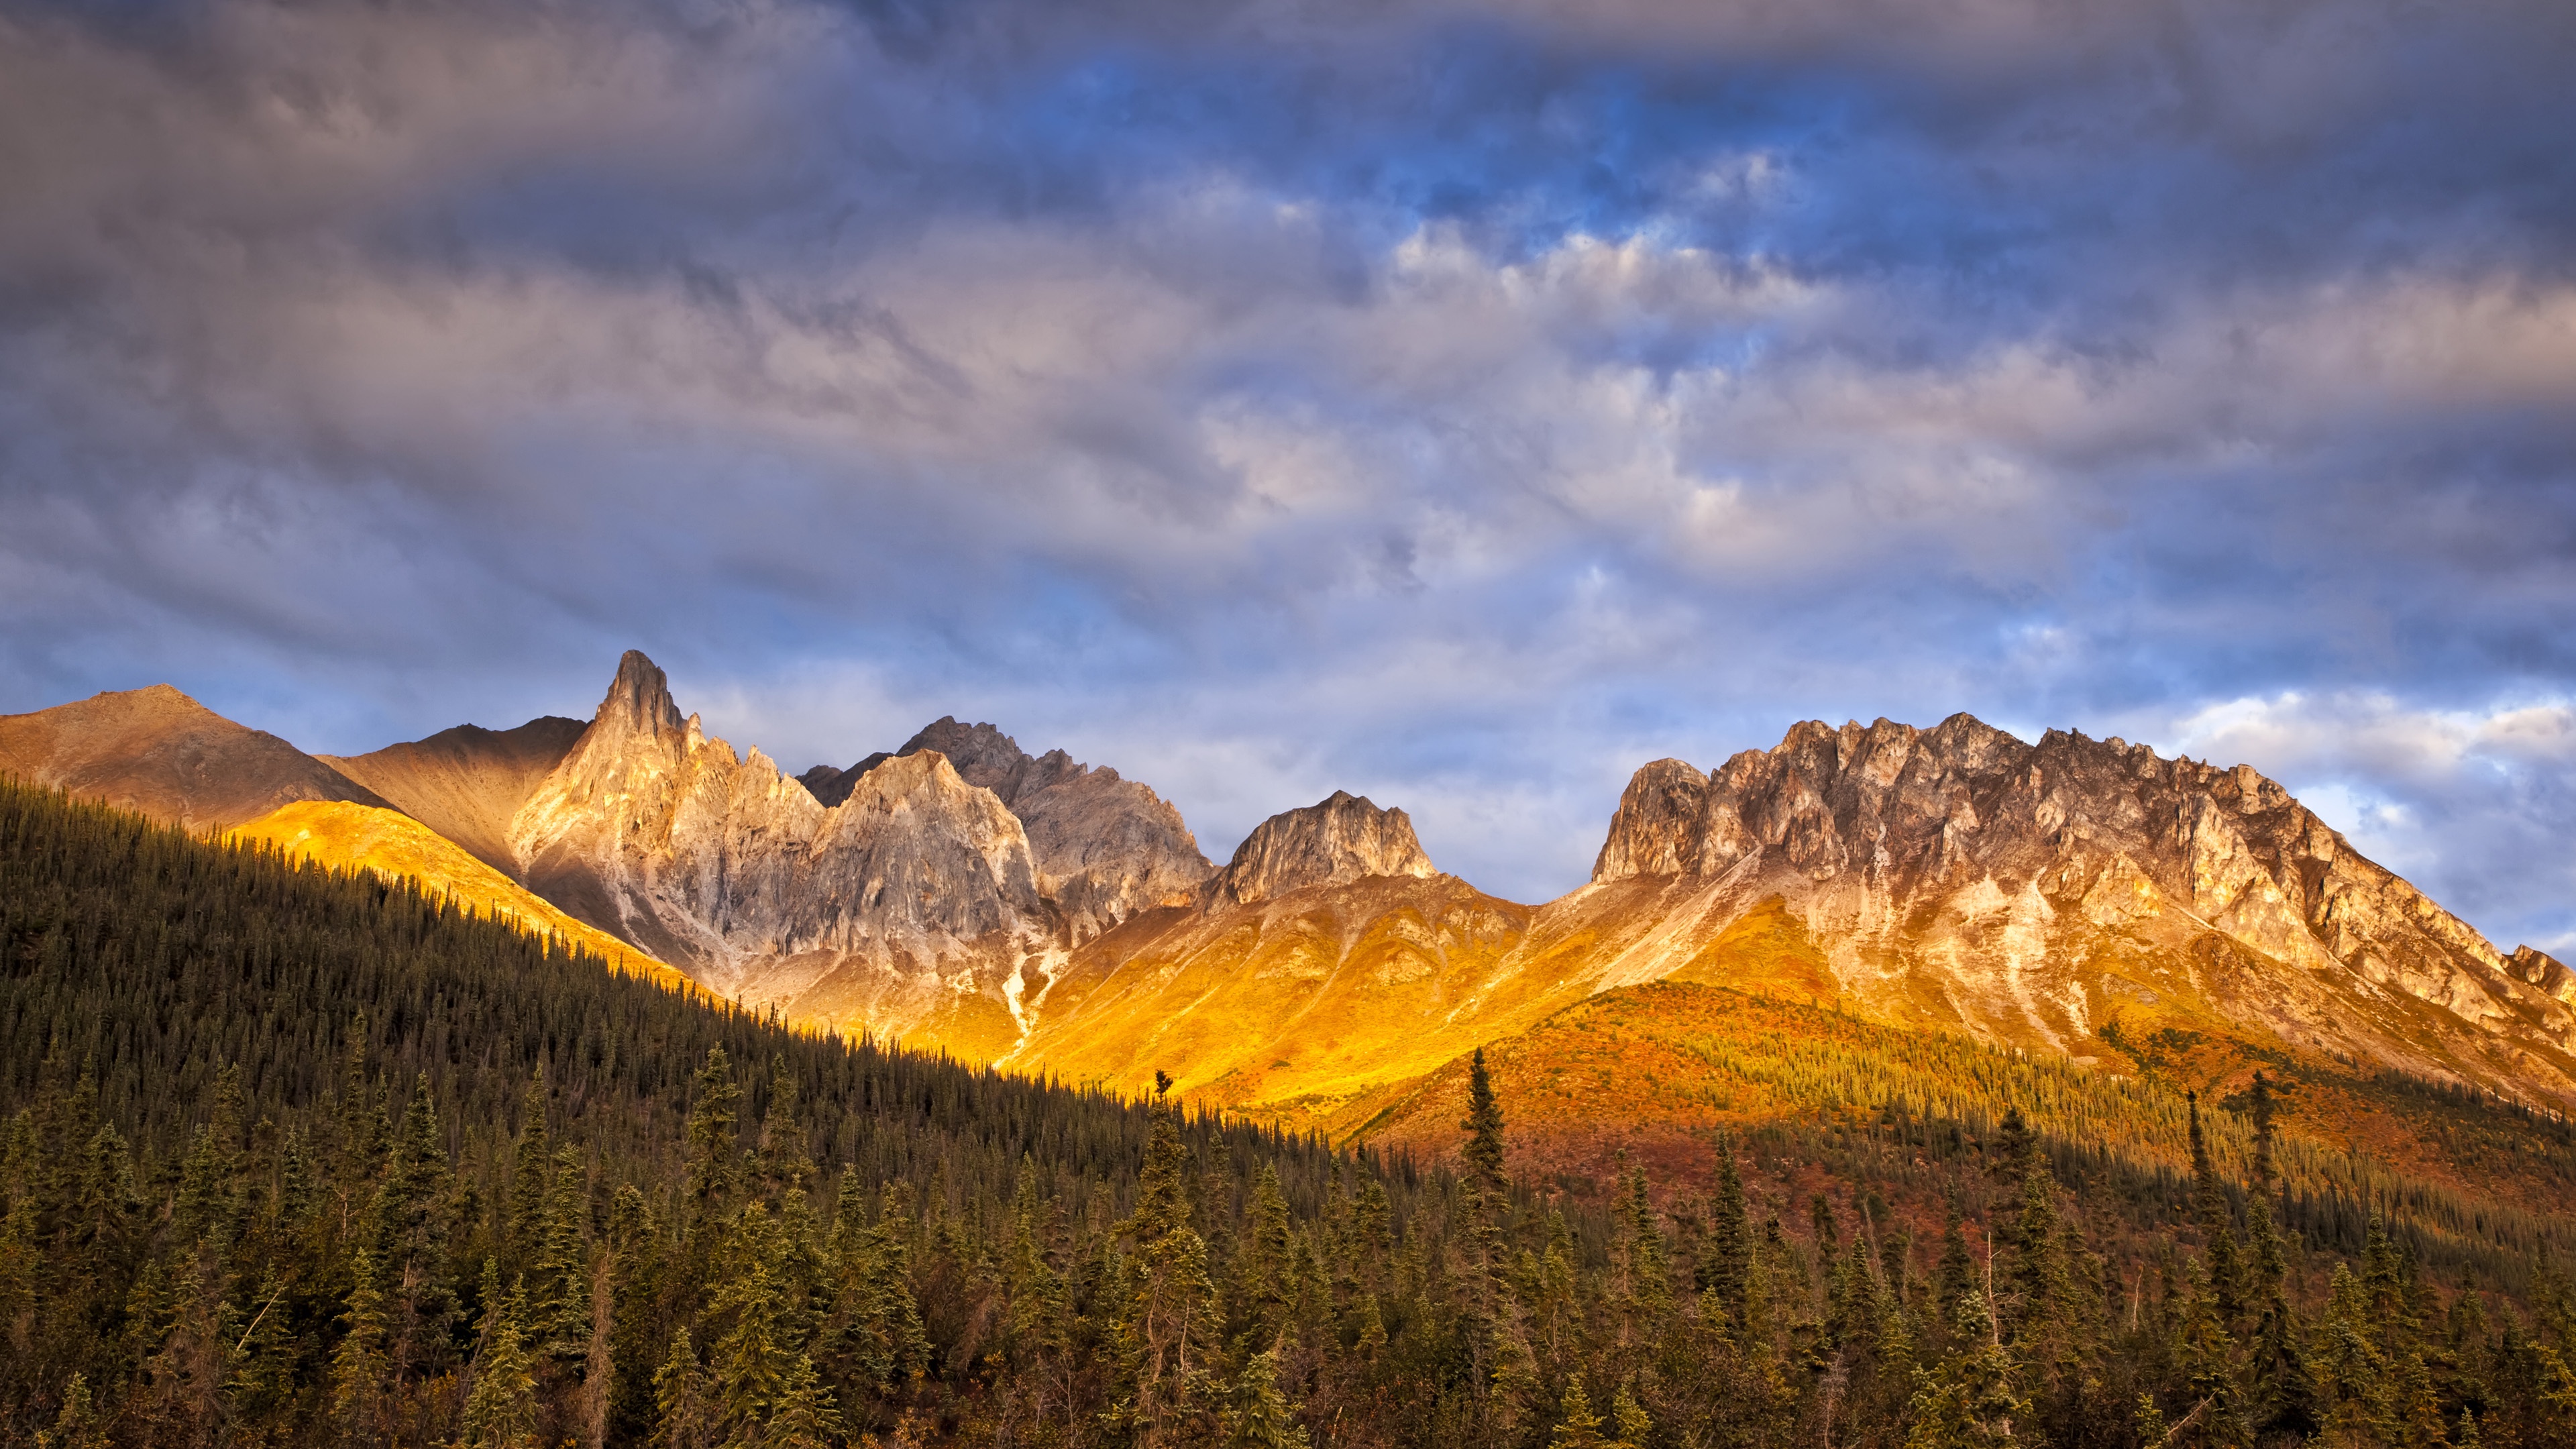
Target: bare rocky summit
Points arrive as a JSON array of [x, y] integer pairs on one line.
[[157, 751], [2038, 893], [910, 904], [1339, 839], [1106, 847], [467, 783]]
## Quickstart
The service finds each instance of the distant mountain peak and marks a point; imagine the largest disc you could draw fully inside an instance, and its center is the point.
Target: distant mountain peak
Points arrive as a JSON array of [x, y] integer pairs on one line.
[[1106, 847], [1337, 840], [980, 752]]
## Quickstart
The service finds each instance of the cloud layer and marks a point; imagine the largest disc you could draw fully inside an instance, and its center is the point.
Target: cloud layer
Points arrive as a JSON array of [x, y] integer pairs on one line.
[[1459, 404]]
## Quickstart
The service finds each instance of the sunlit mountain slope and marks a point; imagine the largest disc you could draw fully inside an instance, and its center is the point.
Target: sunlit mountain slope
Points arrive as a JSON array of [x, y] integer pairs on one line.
[[349, 836]]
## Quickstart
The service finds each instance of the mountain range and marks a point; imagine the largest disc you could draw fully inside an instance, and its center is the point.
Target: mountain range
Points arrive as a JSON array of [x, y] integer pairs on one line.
[[2068, 899]]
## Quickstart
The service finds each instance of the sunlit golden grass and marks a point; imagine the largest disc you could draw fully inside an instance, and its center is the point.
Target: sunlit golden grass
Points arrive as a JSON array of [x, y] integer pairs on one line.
[[347, 836]]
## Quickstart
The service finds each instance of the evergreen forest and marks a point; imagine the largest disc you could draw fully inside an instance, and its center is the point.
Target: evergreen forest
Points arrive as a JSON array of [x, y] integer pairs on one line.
[[291, 1157]]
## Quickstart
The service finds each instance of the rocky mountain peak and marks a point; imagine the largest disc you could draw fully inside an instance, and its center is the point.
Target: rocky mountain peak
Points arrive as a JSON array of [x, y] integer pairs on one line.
[[1105, 847], [639, 700], [1999, 880], [982, 754], [1335, 841]]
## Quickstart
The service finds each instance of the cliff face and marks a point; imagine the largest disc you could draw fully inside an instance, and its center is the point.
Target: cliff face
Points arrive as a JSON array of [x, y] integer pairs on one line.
[[161, 753], [467, 783], [909, 908], [1105, 847], [2040, 893], [1338, 840]]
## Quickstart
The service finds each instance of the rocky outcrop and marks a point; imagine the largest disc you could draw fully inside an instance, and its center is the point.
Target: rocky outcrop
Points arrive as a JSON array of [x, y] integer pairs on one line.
[[1340, 839], [909, 908], [1105, 847], [2034, 893], [2537, 968], [158, 752], [832, 786], [467, 783]]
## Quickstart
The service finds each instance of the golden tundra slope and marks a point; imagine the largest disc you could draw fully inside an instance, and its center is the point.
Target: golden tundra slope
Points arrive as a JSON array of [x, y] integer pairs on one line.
[[348, 836], [2043, 897]]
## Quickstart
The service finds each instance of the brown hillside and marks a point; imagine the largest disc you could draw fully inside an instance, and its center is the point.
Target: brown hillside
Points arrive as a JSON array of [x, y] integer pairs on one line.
[[158, 752]]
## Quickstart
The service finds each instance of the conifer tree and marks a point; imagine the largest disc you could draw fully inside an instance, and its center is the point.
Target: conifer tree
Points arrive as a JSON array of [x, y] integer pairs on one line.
[[712, 1165], [561, 1271], [805, 1416], [1957, 1272], [1972, 1402], [1484, 1127], [408, 1237], [77, 1426], [529, 1176], [1643, 1255], [1577, 1427], [1167, 1330], [2209, 1209], [751, 1358], [684, 1411], [501, 1410], [1727, 1252], [1629, 1419], [1257, 1416]]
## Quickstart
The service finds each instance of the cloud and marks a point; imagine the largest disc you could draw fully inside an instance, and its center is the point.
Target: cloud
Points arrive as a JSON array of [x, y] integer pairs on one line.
[[1460, 404]]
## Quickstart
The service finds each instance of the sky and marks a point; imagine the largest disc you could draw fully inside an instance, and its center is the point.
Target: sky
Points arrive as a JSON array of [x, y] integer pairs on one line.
[[1458, 404]]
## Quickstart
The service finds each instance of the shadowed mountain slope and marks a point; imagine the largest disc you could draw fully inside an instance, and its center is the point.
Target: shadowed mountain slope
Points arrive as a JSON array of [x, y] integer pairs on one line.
[[161, 753], [466, 783]]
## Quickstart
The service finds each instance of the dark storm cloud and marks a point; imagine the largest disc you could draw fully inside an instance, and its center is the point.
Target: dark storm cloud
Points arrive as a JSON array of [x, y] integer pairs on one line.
[[1462, 404]]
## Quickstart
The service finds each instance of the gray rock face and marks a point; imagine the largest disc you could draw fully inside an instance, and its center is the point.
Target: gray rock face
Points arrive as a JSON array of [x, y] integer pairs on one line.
[[1340, 839], [911, 901], [834, 786], [468, 782], [158, 752], [2032, 890], [1105, 847]]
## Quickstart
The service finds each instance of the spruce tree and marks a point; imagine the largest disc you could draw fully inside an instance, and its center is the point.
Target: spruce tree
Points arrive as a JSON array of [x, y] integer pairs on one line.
[[501, 1409], [561, 1271], [684, 1410], [1577, 1427], [805, 1416], [1257, 1416], [1727, 1252], [1484, 1127]]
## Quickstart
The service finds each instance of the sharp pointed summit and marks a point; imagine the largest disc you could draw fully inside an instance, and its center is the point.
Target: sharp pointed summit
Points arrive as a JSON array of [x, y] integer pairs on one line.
[[639, 700]]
